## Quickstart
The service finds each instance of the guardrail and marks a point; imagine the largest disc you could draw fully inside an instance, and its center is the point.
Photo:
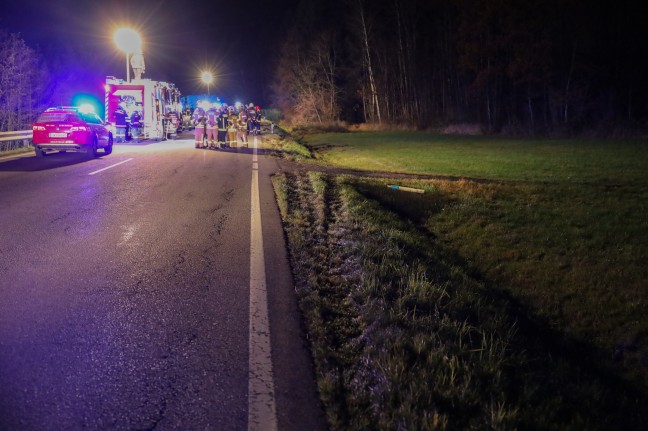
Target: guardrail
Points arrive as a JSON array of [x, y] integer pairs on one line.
[[16, 136], [14, 140]]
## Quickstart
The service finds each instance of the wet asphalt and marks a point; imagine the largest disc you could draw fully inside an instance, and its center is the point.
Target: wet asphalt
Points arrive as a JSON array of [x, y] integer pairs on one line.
[[124, 293]]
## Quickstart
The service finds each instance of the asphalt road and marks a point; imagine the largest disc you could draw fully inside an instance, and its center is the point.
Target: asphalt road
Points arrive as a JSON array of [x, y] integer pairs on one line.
[[125, 293]]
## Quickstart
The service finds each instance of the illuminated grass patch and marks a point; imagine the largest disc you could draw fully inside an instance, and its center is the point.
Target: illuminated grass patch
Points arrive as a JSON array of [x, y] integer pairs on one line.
[[484, 157], [407, 333], [539, 252]]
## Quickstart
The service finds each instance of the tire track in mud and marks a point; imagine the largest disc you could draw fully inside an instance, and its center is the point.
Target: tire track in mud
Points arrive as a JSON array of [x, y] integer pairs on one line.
[[326, 274]]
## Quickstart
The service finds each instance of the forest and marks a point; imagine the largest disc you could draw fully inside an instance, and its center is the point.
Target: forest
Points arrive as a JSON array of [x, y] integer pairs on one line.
[[524, 67], [23, 80]]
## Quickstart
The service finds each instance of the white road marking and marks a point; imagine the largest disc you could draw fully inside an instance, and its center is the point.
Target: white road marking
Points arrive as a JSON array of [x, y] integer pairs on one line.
[[111, 166], [262, 412]]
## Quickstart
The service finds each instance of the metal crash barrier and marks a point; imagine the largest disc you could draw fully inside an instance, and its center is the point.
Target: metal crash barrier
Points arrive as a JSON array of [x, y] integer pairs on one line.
[[15, 140]]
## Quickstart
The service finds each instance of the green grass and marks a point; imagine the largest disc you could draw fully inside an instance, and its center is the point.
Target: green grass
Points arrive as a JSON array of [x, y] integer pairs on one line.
[[564, 227], [20, 150], [284, 146], [573, 255], [408, 334], [484, 157], [545, 258]]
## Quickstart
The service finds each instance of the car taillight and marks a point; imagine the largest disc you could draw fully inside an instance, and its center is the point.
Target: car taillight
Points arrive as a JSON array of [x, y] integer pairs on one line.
[[78, 129], [38, 128]]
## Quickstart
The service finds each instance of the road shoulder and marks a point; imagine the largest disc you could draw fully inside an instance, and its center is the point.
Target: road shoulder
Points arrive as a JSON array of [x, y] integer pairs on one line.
[[298, 404]]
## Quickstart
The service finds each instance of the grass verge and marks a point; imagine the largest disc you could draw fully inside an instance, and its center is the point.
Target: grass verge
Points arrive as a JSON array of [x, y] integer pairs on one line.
[[285, 146], [545, 259], [409, 333], [15, 151]]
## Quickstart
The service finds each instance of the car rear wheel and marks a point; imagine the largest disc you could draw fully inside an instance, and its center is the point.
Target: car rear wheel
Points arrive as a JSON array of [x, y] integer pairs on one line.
[[93, 150], [108, 149], [39, 153]]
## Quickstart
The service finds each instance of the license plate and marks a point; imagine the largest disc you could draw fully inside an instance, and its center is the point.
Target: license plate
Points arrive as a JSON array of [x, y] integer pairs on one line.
[[58, 135]]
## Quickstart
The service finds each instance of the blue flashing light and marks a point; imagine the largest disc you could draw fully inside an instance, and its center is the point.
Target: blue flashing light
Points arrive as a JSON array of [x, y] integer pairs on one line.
[[88, 103], [86, 108]]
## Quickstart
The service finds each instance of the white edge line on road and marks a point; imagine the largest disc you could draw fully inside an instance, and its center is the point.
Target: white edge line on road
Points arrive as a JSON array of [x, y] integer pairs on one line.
[[111, 166], [262, 412]]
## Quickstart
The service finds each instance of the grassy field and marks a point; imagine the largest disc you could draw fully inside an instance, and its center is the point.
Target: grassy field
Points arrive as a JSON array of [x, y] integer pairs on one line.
[[565, 227], [517, 302], [484, 157]]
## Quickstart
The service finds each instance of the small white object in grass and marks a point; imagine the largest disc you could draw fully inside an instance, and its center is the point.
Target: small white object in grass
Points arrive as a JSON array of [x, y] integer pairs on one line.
[[405, 189]]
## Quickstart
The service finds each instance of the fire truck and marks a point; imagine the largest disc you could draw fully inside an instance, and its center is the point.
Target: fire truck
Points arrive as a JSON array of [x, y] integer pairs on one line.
[[141, 108]]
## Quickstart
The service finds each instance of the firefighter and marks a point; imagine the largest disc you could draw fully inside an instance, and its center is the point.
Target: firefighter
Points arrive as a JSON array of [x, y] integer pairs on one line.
[[232, 128], [135, 124], [242, 130], [120, 124], [257, 121], [212, 116], [173, 124], [252, 114], [223, 122], [199, 122], [186, 119], [137, 63]]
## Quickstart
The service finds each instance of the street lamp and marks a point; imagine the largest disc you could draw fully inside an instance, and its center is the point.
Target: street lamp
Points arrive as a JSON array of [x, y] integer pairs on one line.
[[207, 78], [128, 41]]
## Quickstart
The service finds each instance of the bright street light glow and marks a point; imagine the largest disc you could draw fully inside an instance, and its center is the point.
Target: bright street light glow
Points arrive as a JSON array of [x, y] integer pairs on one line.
[[207, 77], [128, 40]]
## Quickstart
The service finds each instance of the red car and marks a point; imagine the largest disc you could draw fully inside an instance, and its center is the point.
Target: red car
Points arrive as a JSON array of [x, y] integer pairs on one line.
[[71, 129]]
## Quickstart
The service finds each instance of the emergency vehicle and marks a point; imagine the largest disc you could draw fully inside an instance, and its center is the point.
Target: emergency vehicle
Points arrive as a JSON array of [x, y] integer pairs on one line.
[[154, 101]]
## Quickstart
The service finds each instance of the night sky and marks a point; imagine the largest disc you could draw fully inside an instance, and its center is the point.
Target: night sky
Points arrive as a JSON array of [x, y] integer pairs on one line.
[[237, 40]]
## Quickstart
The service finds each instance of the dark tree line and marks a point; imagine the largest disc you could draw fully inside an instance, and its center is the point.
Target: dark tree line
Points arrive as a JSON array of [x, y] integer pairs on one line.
[[32, 80], [23, 83], [520, 66]]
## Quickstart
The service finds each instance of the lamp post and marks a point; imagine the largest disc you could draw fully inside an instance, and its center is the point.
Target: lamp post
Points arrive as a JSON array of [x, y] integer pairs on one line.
[[207, 78], [128, 41]]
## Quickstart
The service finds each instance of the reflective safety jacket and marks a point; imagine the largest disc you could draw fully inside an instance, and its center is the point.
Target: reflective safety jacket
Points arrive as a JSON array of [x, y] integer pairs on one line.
[[198, 114], [243, 118], [223, 121], [211, 117], [120, 117], [233, 123], [135, 119]]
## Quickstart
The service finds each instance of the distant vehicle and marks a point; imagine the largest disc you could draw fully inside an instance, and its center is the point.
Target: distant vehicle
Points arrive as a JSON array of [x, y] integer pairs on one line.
[[69, 128]]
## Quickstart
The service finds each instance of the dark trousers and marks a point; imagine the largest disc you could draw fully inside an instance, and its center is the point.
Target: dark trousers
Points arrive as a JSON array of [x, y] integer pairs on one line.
[[222, 137]]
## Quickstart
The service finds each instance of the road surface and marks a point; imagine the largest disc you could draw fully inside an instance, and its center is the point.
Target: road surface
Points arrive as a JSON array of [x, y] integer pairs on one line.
[[126, 285]]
